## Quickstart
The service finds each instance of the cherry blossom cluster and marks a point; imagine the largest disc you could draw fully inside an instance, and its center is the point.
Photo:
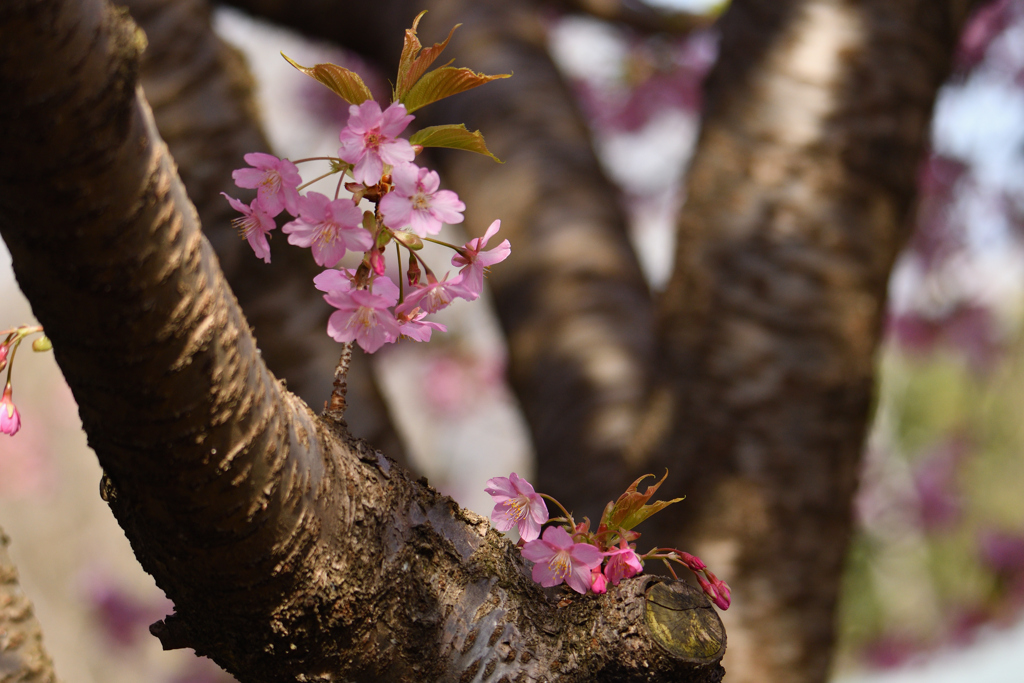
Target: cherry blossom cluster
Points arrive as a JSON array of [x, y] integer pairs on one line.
[[570, 552], [373, 308], [10, 419]]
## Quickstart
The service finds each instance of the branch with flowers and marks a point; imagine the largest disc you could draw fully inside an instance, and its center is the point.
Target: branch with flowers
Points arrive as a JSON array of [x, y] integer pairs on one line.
[[588, 561], [291, 551], [409, 206]]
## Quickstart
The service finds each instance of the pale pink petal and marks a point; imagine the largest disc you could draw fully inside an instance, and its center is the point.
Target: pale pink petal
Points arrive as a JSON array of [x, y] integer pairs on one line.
[[538, 551], [333, 281], [501, 488], [579, 578]]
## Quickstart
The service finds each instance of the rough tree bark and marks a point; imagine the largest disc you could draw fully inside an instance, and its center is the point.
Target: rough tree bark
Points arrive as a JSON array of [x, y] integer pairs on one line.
[[799, 199], [201, 94], [292, 551], [22, 656], [756, 387]]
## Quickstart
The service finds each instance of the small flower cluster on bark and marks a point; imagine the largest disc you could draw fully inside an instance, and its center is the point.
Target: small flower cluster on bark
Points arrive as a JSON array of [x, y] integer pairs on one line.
[[10, 418], [410, 206], [569, 552]]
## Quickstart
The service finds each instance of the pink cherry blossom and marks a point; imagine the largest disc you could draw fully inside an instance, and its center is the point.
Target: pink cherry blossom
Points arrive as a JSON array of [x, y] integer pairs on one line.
[[474, 261], [342, 280], [623, 563], [330, 227], [598, 583], [556, 559], [276, 182], [412, 325], [363, 317], [254, 225], [332, 280], [370, 140], [434, 295], [10, 420], [517, 506], [416, 203]]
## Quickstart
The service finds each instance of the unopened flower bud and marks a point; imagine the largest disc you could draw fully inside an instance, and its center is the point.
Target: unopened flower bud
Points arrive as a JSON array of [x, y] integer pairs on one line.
[[377, 261], [10, 420], [42, 344], [409, 239]]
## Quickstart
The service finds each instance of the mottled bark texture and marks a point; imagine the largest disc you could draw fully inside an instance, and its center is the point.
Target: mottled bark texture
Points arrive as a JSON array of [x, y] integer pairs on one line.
[[202, 98], [292, 552], [798, 200], [23, 659]]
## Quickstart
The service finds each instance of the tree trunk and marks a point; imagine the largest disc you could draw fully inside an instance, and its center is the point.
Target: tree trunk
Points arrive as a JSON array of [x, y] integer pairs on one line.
[[292, 551], [798, 201], [22, 656]]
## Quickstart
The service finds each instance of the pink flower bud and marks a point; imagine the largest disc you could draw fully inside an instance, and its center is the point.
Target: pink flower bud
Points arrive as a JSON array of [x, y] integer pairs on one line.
[[10, 420], [377, 261]]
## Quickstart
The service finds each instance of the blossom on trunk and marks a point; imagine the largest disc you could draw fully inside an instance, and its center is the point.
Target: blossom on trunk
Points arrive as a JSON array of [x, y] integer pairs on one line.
[[254, 225], [517, 505], [370, 140], [417, 203], [556, 559], [10, 420], [474, 261], [276, 182], [329, 227], [362, 317], [623, 563]]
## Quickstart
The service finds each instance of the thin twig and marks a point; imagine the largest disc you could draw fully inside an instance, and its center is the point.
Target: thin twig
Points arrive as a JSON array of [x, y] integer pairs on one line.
[[335, 409]]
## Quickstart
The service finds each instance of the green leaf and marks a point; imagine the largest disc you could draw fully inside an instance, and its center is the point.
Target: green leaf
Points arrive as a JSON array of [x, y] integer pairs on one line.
[[441, 83], [631, 509], [453, 136], [415, 60], [347, 84]]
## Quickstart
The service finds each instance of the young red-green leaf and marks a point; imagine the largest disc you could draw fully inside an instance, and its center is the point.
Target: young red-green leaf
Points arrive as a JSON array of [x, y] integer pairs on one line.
[[347, 84], [631, 509], [415, 60], [453, 136], [441, 83]]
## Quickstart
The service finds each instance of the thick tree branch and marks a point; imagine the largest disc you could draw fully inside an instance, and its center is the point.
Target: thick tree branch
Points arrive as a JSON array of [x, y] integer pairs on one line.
[[23, 659], [798, 200], [291, 551], [202, 98]]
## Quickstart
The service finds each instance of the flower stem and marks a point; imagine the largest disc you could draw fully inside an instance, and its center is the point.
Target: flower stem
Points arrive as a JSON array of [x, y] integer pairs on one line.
[[303, 186], [565, 512], [443, 244], [299, 161]]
